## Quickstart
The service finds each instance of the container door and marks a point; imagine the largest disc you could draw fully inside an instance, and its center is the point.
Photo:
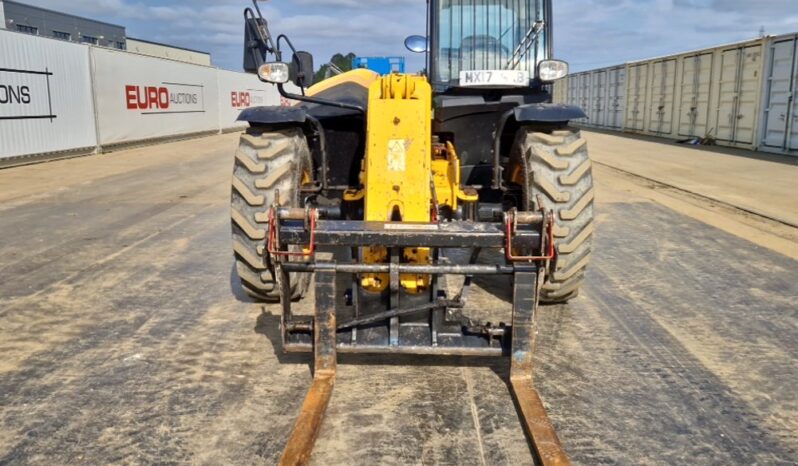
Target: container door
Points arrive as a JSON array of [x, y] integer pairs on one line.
[[727, 103], [616, 89], [663, 80], [738, 94], [638, 78], [780, 95], [573, 90], [584, 94], [694, 104], [749, 94], [598, 88], [792, 140]]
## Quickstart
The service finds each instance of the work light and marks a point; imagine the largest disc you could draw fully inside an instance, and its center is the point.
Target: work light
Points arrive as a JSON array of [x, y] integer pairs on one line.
[[552, 70], [275, 72]]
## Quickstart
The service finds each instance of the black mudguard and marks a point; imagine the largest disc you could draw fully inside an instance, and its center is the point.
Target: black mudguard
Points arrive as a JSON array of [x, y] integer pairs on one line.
[[273, 115], [346, 92], [548, 113]]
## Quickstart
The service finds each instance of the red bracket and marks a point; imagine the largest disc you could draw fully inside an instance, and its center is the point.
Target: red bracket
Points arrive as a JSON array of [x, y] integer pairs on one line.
[[547, 231], [271, 243]]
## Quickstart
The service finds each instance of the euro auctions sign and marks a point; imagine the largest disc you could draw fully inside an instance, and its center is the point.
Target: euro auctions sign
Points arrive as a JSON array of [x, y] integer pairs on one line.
[[25, 94], [165, 97], [248, 98]]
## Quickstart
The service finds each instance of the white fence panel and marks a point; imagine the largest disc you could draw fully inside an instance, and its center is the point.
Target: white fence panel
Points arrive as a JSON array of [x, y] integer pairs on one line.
[[45, 96], [141, 97], [238, 91]]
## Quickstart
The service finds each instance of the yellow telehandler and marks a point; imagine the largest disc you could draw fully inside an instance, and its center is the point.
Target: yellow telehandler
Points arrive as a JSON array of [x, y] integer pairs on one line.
[[392, 173]]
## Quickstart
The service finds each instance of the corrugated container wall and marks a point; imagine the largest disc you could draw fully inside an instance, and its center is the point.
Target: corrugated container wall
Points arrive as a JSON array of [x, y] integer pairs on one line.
[[616, 97], [741, 95], [780, 107], [560, 91]]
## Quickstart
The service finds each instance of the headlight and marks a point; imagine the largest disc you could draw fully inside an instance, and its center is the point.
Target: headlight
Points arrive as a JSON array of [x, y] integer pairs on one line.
[[552, 70], [276, 72]]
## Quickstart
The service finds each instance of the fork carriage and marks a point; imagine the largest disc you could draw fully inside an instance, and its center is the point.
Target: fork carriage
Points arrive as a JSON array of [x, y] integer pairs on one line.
[[355, 320], [397, 321]]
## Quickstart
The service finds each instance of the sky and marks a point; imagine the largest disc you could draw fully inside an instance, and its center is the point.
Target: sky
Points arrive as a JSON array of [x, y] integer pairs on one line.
[[588, 33]]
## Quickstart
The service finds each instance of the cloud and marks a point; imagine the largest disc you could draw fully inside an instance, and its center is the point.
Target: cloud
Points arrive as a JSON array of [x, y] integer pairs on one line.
[[588, 33], [362, 4], [623, 30]]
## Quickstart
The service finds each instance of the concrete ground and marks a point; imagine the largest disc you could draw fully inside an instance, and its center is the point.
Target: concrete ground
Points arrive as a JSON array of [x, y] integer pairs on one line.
[[123, 342], [762, 183]]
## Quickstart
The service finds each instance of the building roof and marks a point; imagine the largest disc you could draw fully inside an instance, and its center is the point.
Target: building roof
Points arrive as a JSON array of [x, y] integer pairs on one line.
[[168, 45], [61, 13]]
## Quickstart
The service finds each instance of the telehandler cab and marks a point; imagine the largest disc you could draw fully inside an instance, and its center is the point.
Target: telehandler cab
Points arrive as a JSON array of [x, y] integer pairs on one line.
[[391, 174]]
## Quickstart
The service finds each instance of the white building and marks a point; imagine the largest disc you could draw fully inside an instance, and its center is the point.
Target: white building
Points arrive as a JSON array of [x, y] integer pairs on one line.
[[155, 49]]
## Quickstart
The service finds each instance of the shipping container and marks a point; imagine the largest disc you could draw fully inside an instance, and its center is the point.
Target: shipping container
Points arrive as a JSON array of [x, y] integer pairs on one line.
[[780, 110], [741, 95]]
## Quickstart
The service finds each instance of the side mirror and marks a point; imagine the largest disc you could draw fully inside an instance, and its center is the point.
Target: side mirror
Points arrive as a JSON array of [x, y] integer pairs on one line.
[[302, 69], [417, 44], [254, 50]]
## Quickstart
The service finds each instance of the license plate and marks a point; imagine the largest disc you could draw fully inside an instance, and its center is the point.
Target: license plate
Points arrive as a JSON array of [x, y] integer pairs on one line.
[[508, 78]]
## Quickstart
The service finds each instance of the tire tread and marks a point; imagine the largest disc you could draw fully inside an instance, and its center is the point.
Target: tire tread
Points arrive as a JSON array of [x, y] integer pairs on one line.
[[558, 167]]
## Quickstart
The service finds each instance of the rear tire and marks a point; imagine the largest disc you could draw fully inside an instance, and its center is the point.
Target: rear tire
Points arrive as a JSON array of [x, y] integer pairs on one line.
[[267, 162], [556, 165]]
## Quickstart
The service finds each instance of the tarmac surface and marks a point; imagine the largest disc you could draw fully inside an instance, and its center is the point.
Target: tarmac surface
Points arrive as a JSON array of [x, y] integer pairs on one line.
[[124, 341]]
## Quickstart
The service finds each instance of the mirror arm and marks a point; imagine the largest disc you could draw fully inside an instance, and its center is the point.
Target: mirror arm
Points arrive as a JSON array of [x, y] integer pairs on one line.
[[287, 41], [316, 100], [262, 31], [293, 51]]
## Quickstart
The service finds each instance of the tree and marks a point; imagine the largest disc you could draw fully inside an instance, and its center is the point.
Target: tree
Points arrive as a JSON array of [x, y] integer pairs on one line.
[[342, 62]]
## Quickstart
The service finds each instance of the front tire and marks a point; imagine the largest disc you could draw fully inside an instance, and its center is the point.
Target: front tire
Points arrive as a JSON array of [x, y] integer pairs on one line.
[[267, 162], [556, 165]]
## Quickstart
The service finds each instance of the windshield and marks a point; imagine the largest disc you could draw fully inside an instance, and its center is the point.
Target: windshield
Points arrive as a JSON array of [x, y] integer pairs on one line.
[[485, 35]]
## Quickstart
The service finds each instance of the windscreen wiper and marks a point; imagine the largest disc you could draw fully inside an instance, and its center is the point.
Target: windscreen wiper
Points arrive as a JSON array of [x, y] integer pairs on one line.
[[526, 43]]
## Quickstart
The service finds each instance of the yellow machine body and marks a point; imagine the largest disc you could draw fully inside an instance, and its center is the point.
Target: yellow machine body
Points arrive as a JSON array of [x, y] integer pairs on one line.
[[398, 144], [397, 167], [446, 177], [405, 176]]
